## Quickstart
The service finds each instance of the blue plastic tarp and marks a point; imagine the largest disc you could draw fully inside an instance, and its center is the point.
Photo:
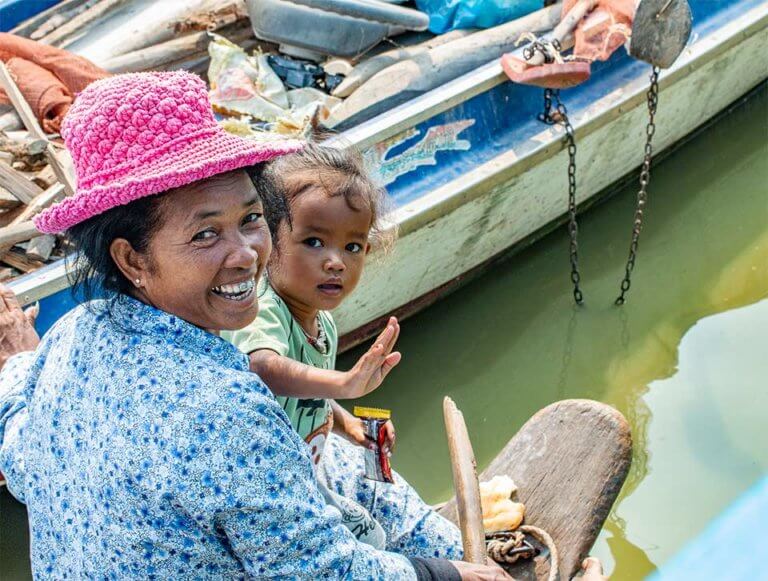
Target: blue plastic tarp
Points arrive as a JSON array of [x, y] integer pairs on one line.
[[445, 15]]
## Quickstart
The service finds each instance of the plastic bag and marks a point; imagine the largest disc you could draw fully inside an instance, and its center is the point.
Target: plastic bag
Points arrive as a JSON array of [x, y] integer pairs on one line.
[[244, 87], [445, 15]]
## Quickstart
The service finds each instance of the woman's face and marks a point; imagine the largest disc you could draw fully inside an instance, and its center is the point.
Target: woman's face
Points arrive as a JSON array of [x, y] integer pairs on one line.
[[203, 262]]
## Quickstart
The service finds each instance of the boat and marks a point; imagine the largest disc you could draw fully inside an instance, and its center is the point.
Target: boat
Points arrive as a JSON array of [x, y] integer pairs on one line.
[[568, 462], [473, 175]]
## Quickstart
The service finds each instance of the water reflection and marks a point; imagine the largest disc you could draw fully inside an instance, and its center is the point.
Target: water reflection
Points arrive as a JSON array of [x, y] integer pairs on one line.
[[512, 342]]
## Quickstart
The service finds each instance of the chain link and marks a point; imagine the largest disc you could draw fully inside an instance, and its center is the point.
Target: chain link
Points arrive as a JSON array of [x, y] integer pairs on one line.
[[642, 194], [560, 116]]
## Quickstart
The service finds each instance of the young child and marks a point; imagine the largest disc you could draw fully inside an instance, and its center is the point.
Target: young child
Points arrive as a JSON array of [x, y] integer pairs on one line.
[[323, 211]]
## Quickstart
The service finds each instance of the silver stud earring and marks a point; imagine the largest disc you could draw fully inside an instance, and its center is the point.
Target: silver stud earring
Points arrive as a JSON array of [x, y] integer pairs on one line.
[[138, 282]]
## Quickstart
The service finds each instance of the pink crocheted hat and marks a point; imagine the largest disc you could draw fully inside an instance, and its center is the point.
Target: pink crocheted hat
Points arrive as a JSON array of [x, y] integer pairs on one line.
[[139, 134]]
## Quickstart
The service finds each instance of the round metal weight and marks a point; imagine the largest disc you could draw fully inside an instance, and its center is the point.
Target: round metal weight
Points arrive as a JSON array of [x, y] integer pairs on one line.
[[660, 31]]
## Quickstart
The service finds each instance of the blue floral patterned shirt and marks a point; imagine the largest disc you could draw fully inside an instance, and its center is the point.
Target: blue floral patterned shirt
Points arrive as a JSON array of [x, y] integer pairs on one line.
[[144, 448]]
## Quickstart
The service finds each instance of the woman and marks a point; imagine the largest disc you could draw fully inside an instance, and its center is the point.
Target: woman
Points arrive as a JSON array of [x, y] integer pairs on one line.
[[140, 442]]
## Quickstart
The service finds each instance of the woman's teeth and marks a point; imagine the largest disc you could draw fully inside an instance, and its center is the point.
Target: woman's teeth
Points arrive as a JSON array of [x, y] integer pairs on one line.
[[236, 292]]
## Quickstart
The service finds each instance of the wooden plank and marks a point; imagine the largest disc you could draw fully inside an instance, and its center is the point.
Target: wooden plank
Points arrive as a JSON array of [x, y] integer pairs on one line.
[[30, 122], [41, 247], [20, 104], [18, 185], [58, 167], [61, 35], [10, 233], [178, 49], [27, 27], [470, 513], [7, 200], [569, 462], [18, 232], [21, 261]]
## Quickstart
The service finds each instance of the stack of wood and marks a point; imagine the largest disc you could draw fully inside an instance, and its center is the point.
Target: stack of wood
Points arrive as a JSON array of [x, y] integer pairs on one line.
[[35, 172], [35, 168], [177, 43]]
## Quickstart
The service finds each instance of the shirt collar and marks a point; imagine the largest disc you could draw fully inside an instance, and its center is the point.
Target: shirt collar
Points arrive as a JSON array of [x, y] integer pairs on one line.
[[134, 316]]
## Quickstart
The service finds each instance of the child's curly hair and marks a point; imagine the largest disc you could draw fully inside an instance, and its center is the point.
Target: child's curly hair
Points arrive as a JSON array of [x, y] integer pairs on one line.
[[340, 172]]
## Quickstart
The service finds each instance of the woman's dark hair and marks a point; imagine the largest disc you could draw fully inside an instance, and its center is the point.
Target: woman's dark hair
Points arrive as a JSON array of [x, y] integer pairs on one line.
[[93, 273], [340, 172]]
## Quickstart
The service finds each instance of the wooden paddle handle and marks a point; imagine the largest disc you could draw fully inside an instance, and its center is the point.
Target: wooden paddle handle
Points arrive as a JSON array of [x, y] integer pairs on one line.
[[465, 484]]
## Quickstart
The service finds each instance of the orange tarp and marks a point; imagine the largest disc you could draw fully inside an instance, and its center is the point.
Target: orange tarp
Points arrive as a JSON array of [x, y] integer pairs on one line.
[[48, 77]]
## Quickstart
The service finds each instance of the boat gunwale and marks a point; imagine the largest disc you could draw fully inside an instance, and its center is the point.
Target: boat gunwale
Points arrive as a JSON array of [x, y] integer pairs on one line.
[[513, 162], [414, 215]]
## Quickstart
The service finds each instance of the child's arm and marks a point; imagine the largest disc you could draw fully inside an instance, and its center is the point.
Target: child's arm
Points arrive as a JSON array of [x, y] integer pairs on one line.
[[351, 428], [290, 378]]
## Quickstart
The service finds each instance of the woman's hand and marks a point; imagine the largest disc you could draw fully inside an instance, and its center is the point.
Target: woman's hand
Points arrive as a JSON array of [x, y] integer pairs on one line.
[[472, 572], [17, 327], [371, 369]]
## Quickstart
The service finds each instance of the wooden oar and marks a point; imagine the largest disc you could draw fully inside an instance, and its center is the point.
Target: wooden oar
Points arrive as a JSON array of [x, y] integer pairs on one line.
[[465, 484]]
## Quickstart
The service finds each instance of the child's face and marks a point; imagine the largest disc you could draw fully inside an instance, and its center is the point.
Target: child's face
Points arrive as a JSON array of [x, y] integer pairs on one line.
[[320, 258]]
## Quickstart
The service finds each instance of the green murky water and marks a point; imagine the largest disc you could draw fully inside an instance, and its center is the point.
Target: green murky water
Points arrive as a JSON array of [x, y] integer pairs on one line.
[[684, 360]]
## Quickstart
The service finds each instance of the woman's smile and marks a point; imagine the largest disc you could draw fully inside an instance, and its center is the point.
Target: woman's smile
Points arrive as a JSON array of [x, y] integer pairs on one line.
[[237, 292]]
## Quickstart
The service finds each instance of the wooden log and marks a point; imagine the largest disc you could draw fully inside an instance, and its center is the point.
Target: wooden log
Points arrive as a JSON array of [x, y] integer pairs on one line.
[[7, 200], [143, 24], [217, 16], [32, 23], [45, 178], [30, 122], [9, 215], [465, 483], [26, 114], [28, 151], [15, 233], [80, 23], [18, 185], [369, 67], [60, 19], [41, 247], [21, 261], [569, 462], [165, 53], [19, 226], [413, 77], [40, 202]]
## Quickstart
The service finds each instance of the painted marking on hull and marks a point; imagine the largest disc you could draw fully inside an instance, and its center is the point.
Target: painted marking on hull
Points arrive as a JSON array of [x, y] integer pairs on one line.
[[437, 138]]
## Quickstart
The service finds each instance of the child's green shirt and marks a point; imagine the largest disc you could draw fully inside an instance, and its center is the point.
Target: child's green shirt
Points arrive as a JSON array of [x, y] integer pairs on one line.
[[277, 330]]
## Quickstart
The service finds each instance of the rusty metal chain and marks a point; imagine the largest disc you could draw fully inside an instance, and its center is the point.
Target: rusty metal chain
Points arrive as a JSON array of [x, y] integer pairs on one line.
[[561, 116], [642, 194], [547, 48]]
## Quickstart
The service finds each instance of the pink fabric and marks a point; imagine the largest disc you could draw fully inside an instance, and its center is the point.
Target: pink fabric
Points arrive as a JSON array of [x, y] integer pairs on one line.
[[140, 134]]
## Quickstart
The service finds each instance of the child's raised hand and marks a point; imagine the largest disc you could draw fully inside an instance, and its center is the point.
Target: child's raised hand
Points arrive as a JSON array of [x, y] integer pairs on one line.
[[371, 369]]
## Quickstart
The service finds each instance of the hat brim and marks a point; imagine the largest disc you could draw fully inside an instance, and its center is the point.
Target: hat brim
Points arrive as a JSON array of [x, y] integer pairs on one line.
[[183, 164]]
